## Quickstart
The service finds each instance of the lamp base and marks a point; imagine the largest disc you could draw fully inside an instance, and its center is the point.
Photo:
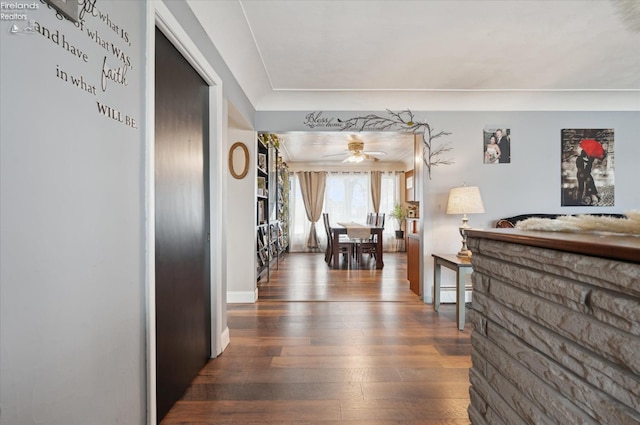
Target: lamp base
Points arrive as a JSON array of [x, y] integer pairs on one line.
[[464, 254], [464, 251]]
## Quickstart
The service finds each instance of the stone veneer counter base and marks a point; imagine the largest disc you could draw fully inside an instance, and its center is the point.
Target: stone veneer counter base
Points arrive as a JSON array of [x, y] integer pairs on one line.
[[556, 328]]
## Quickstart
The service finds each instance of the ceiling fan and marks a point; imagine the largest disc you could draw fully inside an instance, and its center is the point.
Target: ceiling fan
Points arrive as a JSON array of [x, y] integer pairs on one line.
[[356, 153]]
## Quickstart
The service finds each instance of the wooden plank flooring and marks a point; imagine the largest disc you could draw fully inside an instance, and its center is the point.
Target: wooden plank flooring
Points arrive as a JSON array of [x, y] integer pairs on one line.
[[329, 347]]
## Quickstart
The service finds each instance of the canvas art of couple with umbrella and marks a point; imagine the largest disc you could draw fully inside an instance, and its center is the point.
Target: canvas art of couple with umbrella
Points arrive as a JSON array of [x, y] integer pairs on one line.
[[592, 148], [587, 190], [587, 167]]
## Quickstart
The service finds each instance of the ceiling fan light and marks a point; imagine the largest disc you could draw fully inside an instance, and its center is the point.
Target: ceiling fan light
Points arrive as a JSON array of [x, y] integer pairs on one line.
[[354, 158]]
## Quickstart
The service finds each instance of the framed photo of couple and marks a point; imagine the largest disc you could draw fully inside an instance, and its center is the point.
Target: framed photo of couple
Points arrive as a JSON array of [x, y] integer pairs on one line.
[[496, 145]]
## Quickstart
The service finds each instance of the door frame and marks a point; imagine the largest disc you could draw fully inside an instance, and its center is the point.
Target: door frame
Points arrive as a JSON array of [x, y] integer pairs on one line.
[[158, 15]]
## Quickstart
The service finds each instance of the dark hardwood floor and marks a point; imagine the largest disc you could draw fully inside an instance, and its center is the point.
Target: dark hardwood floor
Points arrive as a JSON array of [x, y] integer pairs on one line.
[[329, 347]]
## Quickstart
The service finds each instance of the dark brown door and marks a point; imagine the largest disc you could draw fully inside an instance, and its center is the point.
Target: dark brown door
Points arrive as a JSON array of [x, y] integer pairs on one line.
[[183, 313]]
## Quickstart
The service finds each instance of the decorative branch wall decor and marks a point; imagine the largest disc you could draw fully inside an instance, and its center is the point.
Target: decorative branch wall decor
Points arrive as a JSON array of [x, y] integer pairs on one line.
[[432, 155]]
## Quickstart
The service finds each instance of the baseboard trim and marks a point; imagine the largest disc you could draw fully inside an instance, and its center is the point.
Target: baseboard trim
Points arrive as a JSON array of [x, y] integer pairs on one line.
[[224, 338], [448, 295], [242, 297]]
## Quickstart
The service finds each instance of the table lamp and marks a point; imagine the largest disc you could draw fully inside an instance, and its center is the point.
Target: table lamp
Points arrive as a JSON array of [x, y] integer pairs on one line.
[[465, 200]]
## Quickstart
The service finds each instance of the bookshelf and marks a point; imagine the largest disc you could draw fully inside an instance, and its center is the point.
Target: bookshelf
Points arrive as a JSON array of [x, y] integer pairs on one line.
[[272, 198]]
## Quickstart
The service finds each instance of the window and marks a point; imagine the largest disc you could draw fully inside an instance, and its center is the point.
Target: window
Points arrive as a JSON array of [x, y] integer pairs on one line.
[[347, 198]]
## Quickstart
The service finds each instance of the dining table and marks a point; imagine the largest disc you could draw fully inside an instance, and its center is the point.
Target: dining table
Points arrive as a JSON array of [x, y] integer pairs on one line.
[[356, 231]]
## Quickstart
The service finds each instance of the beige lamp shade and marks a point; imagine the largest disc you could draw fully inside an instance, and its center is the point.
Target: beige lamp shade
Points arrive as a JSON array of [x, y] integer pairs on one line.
[[465, 200]]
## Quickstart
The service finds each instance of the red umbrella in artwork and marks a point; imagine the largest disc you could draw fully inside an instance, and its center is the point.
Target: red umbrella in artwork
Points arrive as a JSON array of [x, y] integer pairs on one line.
[[592, 147]]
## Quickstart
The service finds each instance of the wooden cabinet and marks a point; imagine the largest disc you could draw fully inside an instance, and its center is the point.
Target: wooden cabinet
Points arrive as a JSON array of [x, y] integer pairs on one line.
[[413, 263], [272, 197]]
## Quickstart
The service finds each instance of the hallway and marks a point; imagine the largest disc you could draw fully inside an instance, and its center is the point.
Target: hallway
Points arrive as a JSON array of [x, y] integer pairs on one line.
[[328, 347]]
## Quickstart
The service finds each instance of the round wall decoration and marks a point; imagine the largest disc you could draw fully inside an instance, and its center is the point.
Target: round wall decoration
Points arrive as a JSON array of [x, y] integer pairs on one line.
[[245, 160]]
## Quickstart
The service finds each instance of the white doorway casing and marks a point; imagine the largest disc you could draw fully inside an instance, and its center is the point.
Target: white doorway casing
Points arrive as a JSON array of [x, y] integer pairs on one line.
[[158, 15]]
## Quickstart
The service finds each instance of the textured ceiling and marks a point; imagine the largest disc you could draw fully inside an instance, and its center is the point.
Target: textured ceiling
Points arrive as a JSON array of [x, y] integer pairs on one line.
[[421, 55], [282, 51]]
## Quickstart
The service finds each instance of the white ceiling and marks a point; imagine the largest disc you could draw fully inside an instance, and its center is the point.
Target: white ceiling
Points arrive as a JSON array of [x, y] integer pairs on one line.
[[377, 55], [331, 147]]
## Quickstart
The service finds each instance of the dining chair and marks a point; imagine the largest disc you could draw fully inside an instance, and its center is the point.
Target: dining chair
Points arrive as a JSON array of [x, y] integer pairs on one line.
[[369, 246], [380, 220], [346, 246]]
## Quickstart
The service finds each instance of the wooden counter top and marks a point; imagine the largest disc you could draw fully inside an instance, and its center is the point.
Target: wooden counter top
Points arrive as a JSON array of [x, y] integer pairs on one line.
[[605, 245]]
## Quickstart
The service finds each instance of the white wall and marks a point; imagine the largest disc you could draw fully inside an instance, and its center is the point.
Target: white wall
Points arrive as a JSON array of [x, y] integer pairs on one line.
[[71, 213], [72, 218], [232, 90], [241, 219], [238, 109], [529, 184]]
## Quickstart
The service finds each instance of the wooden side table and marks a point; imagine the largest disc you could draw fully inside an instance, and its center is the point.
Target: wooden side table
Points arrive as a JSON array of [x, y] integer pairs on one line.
[[462, 267]]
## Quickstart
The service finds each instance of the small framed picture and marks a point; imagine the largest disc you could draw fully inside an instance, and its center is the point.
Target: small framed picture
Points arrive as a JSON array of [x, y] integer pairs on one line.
[[261, 212], [262, 257], [497, 145], [262, 162], [262, 186]]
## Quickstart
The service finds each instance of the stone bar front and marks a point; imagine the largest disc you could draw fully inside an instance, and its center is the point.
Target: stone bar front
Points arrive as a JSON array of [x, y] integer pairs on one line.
[[556, 328]]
